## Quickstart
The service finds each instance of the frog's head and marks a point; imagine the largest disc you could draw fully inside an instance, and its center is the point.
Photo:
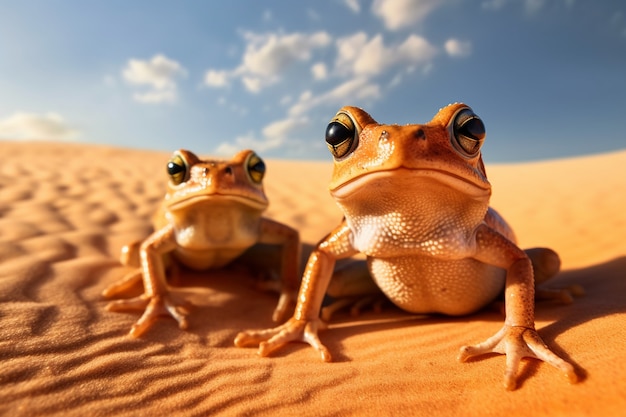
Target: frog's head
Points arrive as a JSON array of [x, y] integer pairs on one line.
[[445, 150], [193, 180]]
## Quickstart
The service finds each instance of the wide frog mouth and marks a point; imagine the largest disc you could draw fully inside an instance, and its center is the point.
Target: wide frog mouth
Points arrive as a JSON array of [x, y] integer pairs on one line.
[[194, 199], [406, 179]]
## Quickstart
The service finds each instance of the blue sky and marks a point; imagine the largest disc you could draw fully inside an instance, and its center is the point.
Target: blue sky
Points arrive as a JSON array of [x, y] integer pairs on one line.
[[548, 77]]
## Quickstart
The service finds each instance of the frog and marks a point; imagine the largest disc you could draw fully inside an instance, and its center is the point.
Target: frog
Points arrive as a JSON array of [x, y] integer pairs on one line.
[[210, 216], [415, 202]]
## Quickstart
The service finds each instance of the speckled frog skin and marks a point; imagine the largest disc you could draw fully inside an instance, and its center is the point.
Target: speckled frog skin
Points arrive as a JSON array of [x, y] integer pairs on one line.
[[416, 203], [210, 215]]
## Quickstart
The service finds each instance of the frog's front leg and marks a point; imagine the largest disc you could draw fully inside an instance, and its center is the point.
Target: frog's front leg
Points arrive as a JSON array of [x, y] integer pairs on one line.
[[156, 299], [517, 338], [129, 256], [288, 239], [305, 323]]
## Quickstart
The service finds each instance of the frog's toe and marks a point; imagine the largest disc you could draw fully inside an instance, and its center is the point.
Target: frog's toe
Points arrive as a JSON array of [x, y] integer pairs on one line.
[[123, 285], [253, 337], [161, 306], [292, 331], [542, 352], [136, 303], [488, 346], [154, 307], [516, 343]]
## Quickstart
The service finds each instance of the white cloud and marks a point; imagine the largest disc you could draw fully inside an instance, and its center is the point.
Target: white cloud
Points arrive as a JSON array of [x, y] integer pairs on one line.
[[253, 84], [398, 14], [457, 48], [156, 96], [48, 126], [281, 133], [319, 71], [158, 74], [283, 129], [214, 78], [353, 5], [266, 57], [358, 55], [360, 88]]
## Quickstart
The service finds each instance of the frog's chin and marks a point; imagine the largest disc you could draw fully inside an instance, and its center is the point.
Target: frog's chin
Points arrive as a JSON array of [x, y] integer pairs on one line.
[[404, 180], [215, 200]]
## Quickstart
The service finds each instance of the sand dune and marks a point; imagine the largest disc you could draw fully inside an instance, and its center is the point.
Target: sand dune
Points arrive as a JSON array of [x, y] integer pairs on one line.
[[66, 210]]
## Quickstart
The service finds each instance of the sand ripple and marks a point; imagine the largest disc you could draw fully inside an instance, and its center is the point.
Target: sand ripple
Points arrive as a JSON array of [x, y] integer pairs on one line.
[[65, 211]]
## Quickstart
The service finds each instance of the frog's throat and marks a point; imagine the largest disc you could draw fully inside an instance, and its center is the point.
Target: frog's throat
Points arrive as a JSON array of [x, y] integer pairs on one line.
[[471, 187], [216, 199]]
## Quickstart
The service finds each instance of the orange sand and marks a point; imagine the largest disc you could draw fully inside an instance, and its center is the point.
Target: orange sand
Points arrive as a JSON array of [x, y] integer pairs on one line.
[[66, 209]]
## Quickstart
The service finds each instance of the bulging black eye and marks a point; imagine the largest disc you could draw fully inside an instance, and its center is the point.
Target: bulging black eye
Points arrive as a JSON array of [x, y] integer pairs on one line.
[[341, 135], [177, 169], [469, 133], [256, 168]]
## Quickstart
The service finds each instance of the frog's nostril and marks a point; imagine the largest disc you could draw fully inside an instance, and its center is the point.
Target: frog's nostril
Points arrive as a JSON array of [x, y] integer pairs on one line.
[[419, 134], [228, 170]]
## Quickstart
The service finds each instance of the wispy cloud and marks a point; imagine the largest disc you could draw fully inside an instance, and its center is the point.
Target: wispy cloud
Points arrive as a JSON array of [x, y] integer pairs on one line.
[[352, 71], [31, 126], [353, 5], [319, 71], [358, 55], [360, 88], [266, 57], [458, 48], [281, 133], [400, 14], [158, 74]]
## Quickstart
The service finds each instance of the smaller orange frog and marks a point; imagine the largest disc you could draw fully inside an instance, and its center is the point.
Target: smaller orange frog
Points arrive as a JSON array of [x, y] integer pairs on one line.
[[210, 215]]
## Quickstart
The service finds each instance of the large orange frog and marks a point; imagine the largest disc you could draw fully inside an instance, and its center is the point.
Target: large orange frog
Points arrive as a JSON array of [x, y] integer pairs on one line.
[[210, 215], [416, 203]]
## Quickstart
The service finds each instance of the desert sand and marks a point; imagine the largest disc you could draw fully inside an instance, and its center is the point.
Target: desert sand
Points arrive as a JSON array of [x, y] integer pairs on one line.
[[67, 209]]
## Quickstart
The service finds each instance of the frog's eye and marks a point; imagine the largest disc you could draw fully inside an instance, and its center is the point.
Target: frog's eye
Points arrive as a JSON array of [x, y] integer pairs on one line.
[[256, 168], [341, 135], [468, 133], [177, 169]]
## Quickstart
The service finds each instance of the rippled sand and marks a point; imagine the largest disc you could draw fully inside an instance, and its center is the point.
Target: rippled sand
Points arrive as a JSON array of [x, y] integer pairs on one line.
[[66, 209]]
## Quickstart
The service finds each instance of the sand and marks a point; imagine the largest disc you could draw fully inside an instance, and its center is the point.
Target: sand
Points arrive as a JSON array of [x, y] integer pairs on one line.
[[67, 209]]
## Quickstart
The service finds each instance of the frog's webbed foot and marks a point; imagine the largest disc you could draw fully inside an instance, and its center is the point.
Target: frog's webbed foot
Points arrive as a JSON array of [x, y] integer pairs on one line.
[[356, 305], [516, 343], [123, 285], [154, 307], [293, 330]]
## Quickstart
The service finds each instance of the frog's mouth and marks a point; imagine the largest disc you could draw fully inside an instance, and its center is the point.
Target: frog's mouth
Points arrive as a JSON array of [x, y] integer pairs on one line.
[[215, 199], [405, 180]]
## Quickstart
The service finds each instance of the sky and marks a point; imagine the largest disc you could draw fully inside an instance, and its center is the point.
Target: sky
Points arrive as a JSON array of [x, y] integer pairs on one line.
[[548, 77]]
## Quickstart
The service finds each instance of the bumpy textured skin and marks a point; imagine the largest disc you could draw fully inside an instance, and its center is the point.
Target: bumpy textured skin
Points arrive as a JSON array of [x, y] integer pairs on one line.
[[419, 210], [205, 222]]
